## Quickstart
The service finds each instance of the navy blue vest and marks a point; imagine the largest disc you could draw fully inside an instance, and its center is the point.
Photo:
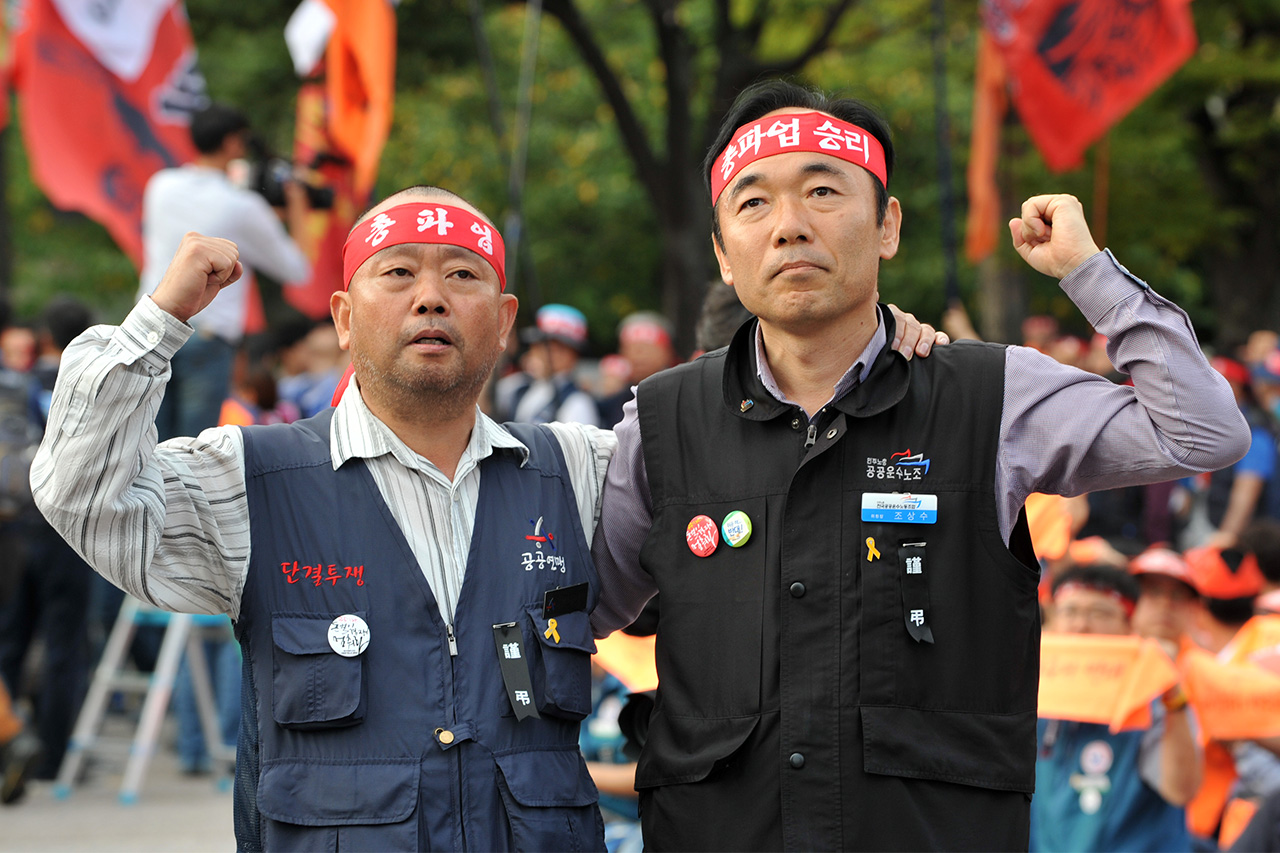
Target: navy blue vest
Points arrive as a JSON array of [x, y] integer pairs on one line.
[[405, 746]]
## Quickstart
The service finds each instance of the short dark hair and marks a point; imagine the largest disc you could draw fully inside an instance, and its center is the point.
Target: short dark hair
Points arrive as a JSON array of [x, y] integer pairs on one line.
[[763, 98], [1100, 577], [722, 315], [1262, 539], [211, 126], [65, 318], [1232, 612]]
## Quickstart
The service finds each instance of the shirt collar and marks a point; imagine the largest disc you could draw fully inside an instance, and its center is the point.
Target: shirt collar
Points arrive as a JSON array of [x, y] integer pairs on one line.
[[856, 373], [358, 434]]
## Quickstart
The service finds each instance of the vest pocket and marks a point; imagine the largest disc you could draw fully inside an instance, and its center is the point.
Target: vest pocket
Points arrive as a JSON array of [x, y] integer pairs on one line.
[[550, 799], [680, 750], [312, 686], [985, 750], [560, 663], [359, 804]]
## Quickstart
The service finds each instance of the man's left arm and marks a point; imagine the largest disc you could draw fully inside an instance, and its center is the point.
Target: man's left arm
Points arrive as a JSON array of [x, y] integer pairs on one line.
[[1066, 431]]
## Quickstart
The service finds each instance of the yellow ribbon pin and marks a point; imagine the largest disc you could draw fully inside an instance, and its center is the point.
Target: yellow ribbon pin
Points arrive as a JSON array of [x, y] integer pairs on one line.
[[872, 552], [551, 633]]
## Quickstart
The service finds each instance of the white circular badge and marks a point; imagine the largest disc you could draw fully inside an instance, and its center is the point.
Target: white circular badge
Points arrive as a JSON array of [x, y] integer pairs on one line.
[[348, 635]]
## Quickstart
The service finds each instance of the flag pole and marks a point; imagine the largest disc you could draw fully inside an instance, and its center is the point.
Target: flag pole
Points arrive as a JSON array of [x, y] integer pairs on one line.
[[942, 127], [515, 237]]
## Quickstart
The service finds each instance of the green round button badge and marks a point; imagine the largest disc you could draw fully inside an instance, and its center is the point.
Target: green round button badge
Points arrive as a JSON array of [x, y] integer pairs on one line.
[[736, 528]]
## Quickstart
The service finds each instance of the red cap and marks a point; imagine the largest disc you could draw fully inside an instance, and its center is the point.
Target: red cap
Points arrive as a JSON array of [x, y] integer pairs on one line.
[[1162, 561], [1224, 574]]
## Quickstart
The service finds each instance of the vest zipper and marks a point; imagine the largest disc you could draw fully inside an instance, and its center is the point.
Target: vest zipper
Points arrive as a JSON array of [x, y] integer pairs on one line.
[[812, 437], [453, 641]]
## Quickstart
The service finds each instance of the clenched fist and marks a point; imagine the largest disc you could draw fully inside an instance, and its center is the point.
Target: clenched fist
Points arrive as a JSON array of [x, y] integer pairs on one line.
[[201, 267]]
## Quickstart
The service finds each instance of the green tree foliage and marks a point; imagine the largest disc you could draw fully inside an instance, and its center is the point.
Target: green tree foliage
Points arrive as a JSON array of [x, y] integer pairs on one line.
[[1191, 204]]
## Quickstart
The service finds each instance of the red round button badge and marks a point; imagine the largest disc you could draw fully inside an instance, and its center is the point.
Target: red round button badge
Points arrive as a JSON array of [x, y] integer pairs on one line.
[[703, 535]]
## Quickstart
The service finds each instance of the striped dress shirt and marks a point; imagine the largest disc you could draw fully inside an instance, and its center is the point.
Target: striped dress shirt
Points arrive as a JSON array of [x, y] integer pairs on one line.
[[169, 523]]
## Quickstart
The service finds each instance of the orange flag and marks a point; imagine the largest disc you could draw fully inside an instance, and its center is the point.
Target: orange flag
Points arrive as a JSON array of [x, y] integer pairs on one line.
[[629, 658], [327, 229], [990, 102], [360, 69], [1093, 678], [1237, 699]]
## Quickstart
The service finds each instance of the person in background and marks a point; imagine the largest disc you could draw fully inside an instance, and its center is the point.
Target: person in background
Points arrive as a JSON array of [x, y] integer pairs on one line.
[[1239, 492], [645, 341], [51, 601], [1099, 791], [547, 391], [19, 750], [326, 362], [1229, 581], [200, 197], [722, 315], [1166, 609], [18, 348]]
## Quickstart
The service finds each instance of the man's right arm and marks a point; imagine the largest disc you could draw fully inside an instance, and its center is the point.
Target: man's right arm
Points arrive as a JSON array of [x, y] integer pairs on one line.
[[168, 524]]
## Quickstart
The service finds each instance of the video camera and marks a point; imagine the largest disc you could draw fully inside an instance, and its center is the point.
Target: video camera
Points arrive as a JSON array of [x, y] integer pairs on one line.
[[268, 174]]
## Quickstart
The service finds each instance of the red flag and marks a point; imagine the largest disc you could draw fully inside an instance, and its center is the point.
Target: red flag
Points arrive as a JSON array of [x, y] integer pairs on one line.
[[327, 229], [95, 135], [4, 72], [360, 66], [1076, 67]]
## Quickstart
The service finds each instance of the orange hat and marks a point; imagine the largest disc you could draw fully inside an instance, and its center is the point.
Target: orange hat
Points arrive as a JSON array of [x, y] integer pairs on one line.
[[1162, 561], [1224, 573]]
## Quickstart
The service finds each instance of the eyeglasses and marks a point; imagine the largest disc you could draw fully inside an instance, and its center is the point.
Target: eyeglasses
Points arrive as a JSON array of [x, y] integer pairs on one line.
[[1092, 613]]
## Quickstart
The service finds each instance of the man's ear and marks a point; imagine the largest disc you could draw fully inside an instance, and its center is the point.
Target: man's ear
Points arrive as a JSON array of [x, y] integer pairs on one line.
[[340, 308], [891, 229], [507, 306], [726, 273]]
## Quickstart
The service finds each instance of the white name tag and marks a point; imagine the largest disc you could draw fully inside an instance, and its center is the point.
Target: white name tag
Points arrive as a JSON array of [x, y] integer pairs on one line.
[[899, 508]]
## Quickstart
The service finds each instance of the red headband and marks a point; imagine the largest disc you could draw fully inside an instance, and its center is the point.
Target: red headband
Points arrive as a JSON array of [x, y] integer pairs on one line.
[[1123, 600], [423, 223], [816, 132]]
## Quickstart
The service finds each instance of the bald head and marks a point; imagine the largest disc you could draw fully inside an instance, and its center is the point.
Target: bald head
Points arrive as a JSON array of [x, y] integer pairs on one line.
[[421, 191]]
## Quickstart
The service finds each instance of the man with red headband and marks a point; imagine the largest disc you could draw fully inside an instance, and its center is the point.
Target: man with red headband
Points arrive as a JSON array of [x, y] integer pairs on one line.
[[849, 640], [1102, 791], [410, 581]]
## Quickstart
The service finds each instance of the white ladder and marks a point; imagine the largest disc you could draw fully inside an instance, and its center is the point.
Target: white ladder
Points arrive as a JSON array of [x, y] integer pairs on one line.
[[181, 634]]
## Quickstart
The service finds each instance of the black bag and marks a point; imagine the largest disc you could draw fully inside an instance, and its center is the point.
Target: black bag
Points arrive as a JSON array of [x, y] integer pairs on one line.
[[20, 435]]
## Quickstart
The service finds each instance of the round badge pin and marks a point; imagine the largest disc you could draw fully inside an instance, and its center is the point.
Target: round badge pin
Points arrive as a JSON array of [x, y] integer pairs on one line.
[[702, 535], [736, 528], [348, 635]]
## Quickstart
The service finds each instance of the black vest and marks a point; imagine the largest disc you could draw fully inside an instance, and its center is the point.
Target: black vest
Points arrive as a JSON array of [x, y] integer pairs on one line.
[[797, 708], [406, 746]]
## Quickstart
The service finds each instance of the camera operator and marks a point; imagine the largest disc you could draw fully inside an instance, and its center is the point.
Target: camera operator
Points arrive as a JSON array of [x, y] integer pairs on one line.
[[200, 197]]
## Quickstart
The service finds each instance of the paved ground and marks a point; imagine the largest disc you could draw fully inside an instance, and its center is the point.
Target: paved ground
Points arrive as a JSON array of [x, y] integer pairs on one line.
[[173, 812]]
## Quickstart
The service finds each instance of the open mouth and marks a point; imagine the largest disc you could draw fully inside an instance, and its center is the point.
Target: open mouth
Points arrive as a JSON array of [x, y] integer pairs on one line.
[[433, 337]]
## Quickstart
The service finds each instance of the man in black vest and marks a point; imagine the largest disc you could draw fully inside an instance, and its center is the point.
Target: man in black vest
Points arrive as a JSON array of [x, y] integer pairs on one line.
[[849, 642]]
